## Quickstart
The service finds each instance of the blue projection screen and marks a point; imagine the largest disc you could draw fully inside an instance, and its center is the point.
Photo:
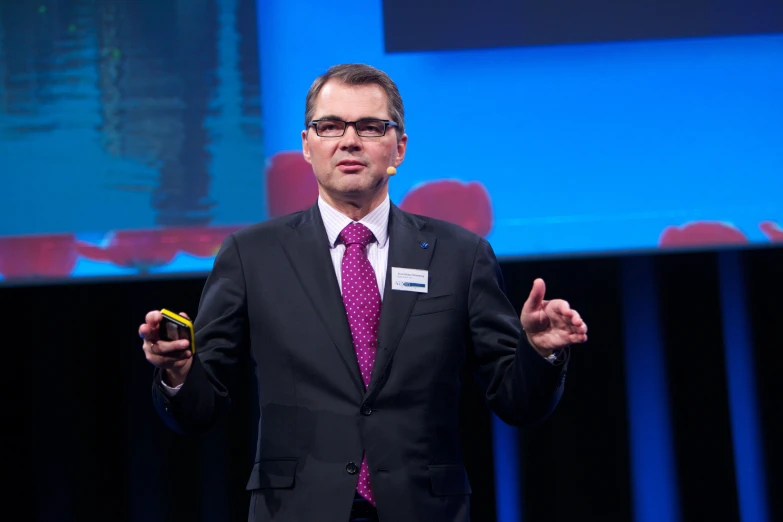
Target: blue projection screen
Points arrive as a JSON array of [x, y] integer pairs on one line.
[[134, 136]]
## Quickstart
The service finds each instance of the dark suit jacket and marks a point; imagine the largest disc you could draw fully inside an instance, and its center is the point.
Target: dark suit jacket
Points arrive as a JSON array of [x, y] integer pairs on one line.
[[273, 295]]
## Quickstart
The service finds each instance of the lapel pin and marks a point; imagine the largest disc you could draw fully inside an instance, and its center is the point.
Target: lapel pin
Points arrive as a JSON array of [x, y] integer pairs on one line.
[[424, 245]]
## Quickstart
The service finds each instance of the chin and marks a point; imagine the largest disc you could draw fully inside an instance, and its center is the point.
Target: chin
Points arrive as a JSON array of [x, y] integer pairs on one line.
[[353, 186]]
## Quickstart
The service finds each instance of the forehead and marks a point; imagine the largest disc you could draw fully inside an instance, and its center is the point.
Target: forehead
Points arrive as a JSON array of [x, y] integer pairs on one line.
[[351, 102]]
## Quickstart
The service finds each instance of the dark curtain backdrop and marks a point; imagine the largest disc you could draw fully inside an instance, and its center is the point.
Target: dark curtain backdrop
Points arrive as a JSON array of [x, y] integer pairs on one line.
[[82, 440]]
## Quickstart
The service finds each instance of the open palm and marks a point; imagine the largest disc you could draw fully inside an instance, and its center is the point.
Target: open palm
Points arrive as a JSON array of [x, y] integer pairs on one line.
[[550, 325]]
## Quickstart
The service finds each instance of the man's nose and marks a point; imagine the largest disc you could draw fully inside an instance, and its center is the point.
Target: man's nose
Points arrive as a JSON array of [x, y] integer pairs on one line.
[[351, 138]]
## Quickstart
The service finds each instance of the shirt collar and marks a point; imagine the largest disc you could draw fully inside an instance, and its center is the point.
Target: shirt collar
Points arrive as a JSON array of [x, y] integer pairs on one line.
[[335, 221]]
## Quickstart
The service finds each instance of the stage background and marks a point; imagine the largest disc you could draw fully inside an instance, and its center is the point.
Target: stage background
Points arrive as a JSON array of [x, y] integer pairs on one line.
[[134, 136], [644, 432], [639, 173]]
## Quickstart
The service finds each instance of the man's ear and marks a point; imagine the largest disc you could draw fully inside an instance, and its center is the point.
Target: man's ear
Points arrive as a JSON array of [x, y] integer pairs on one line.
[[402, 146], [306, 147]]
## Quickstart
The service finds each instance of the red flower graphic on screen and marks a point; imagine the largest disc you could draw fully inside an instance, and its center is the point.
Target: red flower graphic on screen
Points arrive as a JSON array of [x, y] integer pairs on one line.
[[290, 184], [465, 203], [702, 233], [145, 249], [37, 256], [772, 230], [202, 242], [142, 249]]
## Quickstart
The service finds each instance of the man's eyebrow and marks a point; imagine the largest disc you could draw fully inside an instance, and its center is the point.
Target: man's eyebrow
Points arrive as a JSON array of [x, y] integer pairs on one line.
[[334, 117]]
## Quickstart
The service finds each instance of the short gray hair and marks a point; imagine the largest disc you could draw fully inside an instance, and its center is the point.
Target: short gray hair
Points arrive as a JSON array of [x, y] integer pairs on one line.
[[359, 74]]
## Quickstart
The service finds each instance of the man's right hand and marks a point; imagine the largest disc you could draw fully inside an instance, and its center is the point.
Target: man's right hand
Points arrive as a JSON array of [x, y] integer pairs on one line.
[[174, 357]]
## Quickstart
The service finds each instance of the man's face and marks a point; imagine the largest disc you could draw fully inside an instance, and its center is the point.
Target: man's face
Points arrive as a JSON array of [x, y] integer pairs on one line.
[[351, 168]]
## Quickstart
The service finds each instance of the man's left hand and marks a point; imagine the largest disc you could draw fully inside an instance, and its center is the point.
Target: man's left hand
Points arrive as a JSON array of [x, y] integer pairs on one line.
[[550, 325]]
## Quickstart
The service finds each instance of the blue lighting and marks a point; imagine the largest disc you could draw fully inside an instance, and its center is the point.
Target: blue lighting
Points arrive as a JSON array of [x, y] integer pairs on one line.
[[748, 457], [653, 475], [507, 483]]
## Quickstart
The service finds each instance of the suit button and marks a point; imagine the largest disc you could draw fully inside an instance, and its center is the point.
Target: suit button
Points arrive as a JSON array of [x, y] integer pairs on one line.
[[351, 468], [366, 409]]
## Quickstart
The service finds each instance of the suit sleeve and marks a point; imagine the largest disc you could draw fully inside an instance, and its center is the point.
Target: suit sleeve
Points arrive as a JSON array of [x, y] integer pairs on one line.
[[221, 343], [520, 386]]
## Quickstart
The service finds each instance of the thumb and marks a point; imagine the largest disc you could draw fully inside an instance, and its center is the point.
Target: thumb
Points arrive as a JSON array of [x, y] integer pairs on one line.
[[536, 296]]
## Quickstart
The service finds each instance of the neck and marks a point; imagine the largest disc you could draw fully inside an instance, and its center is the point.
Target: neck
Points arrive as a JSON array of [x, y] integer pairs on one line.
[[355, 208]]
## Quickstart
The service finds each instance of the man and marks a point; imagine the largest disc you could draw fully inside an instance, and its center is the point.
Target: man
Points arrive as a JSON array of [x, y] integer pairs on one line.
[[360, 319]]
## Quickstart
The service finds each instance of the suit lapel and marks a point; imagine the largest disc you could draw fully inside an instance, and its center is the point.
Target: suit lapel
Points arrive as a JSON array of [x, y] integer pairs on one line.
[[307, 250], [409, 248]]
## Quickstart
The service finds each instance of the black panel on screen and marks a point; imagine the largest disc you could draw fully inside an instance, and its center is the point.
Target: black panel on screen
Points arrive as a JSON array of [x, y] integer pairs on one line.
[[416, 25]]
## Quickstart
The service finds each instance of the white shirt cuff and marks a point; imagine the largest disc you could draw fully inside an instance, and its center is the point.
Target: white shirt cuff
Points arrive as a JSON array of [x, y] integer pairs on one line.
[[168, 390]]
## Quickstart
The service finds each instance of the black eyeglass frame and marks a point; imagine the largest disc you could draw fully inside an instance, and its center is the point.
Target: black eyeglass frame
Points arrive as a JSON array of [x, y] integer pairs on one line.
[[386, 125]]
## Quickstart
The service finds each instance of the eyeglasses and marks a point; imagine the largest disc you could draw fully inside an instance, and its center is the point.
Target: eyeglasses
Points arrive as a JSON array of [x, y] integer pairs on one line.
[[366, 128]]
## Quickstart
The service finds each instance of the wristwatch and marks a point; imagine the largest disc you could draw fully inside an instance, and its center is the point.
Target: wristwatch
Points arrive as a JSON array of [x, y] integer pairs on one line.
[[554, 356]]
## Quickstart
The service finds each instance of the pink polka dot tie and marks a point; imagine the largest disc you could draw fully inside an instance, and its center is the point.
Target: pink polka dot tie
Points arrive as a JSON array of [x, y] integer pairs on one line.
[[363, 306]]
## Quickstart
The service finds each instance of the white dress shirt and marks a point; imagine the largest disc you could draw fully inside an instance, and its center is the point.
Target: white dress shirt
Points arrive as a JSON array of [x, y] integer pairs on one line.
[[334, 222], [377, 251]]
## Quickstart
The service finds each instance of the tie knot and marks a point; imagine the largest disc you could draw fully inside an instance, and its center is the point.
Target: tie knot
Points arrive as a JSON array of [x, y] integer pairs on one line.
[[356, 234]]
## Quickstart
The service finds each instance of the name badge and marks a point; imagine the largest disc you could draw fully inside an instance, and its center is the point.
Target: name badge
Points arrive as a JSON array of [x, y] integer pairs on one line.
[[410, 280]]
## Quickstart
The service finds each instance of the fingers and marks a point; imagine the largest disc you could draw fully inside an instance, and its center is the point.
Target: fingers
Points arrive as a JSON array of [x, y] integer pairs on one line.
[[563, 310], [167, 348], [166, 354], [575, 323], [145, 331], [149, 330], [576, 338], [575, 319], [154, 318], [536, 297], [168, 363], [571, 318]]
